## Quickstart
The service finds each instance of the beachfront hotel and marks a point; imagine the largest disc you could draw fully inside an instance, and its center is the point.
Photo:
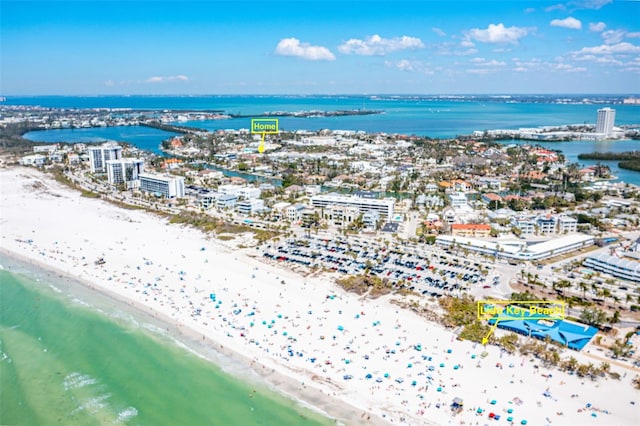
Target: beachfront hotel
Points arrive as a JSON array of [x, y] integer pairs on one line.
[[618, 267], [99, 155], [125, 171], [384, 207], [605, 121], [518, 250], [168, 186]]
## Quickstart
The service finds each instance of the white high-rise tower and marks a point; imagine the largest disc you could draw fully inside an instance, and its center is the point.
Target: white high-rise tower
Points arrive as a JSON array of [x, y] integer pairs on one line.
[[606, 118]]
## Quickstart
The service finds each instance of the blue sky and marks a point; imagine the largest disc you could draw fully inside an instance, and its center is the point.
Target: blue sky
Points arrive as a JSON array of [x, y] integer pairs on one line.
[[310, 47]]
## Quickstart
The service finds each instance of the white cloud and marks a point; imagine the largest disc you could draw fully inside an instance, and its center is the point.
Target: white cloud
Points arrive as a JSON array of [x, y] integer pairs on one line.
[[555, 7], [438, 31], [293, 47], [590, 4], [613, 36], [498, 34], [109, 83], [569, 22], [567, 68], [579, 4], [411, 66], [529, 10], [376, 45], [452, 49], [165, 79], [609, 49], [405, 65], [486, 63], [597, 27]]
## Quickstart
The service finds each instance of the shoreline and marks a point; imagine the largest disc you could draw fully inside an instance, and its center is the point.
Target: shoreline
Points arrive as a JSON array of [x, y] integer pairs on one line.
[[281, 320], [231, 362]]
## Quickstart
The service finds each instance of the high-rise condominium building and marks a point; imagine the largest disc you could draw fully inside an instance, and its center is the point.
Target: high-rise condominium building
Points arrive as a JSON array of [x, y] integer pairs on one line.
[[98, 155], [606, 118], [125, 171]]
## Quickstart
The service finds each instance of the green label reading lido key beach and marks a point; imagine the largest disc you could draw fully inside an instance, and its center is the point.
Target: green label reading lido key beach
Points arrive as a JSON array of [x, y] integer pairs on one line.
[[268, 126]]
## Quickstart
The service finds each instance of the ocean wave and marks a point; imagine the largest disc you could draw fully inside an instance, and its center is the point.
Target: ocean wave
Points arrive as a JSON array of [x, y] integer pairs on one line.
[[81, 302], [126, 414], [78, 380], [93, 405]]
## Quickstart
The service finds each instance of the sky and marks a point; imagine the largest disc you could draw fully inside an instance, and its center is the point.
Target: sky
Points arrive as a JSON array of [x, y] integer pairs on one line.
[[319, 47]]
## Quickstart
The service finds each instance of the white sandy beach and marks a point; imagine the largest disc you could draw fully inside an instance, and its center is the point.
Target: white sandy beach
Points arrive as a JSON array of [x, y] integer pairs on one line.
[[306, 329]]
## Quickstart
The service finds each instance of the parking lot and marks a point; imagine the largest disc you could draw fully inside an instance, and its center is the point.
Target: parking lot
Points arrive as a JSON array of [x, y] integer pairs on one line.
[[427, 273]]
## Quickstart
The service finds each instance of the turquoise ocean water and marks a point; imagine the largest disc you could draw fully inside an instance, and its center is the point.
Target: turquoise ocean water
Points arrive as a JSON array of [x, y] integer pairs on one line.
[[70, 357]]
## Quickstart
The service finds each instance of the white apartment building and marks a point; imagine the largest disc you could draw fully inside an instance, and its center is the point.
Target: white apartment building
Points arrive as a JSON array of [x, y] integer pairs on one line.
[[342, 215], [33, 160], [614, 266], [226, 201], [98, 155], [245, 192], [49, 149], [384, 207], [250, 206], [566, 224], [605, 121], [294, 212], [125, 171], [168, 186], [526, 225], [279, 210], [458, 200], [546, 225]]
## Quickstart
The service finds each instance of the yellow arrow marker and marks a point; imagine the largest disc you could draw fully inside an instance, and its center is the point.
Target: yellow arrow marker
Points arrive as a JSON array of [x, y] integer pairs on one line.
[[485, 339], [264, 126]]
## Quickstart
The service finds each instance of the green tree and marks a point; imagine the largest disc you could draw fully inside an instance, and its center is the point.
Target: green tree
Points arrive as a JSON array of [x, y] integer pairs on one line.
[[593, 316]]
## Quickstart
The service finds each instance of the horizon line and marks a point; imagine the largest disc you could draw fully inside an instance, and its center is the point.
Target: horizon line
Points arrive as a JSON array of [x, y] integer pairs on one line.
[[323, 94]]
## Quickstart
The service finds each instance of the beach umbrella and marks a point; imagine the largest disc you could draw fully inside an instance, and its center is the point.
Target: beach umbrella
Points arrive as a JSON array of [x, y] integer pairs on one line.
[[439, 389], [523, 422], [414, 383], [386, 375], [510, 410], [409, 365], [493, 402], [368, 376], [479, 411], [509, 419], [448, 351], [340, 328], [455, 367], [441, 364]]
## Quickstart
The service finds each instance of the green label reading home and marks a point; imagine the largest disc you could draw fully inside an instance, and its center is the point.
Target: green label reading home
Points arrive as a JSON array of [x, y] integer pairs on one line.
[[267, 126]]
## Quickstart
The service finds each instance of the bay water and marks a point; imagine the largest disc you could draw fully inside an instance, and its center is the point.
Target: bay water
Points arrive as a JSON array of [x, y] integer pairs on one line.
[[430, 116]]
